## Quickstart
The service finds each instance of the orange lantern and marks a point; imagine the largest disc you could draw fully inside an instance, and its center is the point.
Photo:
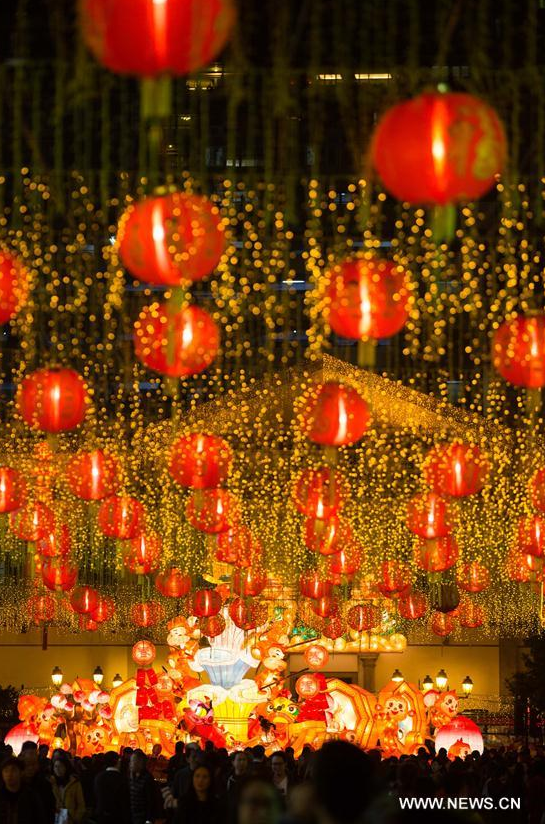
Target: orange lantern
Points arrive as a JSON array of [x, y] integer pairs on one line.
[[326, 536], [246, 613], [12, 484], [200, 461], [531, 536], [471, 615], [412, 605], [237, 546], [92, 475], [442, 624], [517, 568], [325, 606], [147, 613], [104, 610], [52, 400], [57, 544], [363, 617], [345, 563], [143, 653], [32, 521], [307, 686], [316, 656], [333, 414], [58, 574], [518, 350], [41, 608], [121, 516], [320, 493], [473, 577], [212, 510], [456, 469], [205, 603], [84, 600], [14, 283], [249, 582], [313, 585], [173, 584], [436, 554], [429, 516], [144, 554]]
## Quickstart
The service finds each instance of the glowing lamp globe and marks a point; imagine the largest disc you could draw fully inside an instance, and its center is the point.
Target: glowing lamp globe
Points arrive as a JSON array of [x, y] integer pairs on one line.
[[412, 605], [436, 554], [307, 686], [212, 626], [173, 583], [456, 469], [333, 414], [518, 350], [326, 536], [32, 521], [41, 608], [249, 582], [93, 475], [212, 510], [442, 624], [471, 615], [59, 574], [439, 148], [237, 546], [205, 603], [473, 577], [314, 585], [56, 544], [147, 613], [177, 343], [320, 493], [429, 516], [531, 535], [12, 486], [121, 517], [459, 729], [104, 611], [200, 461], [367, 299], [84, 600], [143, 653], [14, 285], [52, 400], [143, 554]]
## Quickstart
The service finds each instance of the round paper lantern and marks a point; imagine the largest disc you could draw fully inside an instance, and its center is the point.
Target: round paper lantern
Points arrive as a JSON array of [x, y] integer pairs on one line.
[[121, 517], [177, 343], [456, 469], [212, 626], [41, 608], [173, 584], [55, 545], [32, 521], [333, 414], [12, 484], [439, 148], [307, 686], [205, 603], [200, 461], [84, 600], [345, 563], [412, 605], [442, 624], [313, 585], [537, 489], [429, 516], [249, 582], [333, 627], [163, 37], [473, 577], [143, 653], [367, 299], [14, 285], [246, 613], [436, 554], [87, 624], [147, 614], [518, 350], [237, 546], [531, 536], [325, 606], [58, 574], [517, 569], [326, 536], [212, 510], [459, 729], [316, 656], [363, 617], [104, 610], [395, 578], [172, 240], [320, 493], [93, 475], [144, 554], [471, 615], [52, 400]]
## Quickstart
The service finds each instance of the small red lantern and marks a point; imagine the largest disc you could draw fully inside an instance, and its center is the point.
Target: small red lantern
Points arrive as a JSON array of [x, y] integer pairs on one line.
[[518, 350], [442, 624], [439, 148], [178, 342], [92, 475], [517, 568], [320, 493], [212, 510], [14, 283], [531, 536], [87, 624], [104, 610], [313, 585], [333, 627], [326, 536], [367, 299], [143, 653], [121, 517], [200, 461], [412, 605], [52, 400], [84, 600], [456, 469], [32, 521], [436, 554], [325, 606], [333, 414], [173, 240], [363, 617], [246, 613], [473, 577], [58, 574], [537, 489], [237, 546], [144, 554], [471, 615], [147, 614], [173, 584], [12, 484], [395, 578], [41, 608], [249, 582], [346, 562], [212, 626], [57, 544], [307, 686], [316, 656], [205, 603], [429, 516]]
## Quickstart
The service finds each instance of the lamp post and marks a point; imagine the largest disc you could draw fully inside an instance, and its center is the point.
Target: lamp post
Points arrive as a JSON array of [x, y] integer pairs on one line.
[[98, 676], [467, 686], [397, 676], [441, 679], [427, 683], [117, 681], [56, 676]]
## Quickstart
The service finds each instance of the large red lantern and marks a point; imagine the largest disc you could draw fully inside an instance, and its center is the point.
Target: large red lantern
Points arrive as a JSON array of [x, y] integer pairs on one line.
[[345, 563], [237, 546], [436, 554], [473, 577], [213, 626], [147, 614], [537, 489], [57, 543], [246, 613], [363, 617], [176, 343], [313, 585], [531, 535], [320, 493], [395, 578], [59, 574], [412, 605], [518, 350], [326, 536], [333, 414], [439, 148], [14, 283], [121, 517], [92, 475], [172, 240], [32, 521], [442, 624], [104, 611], [205, 603], [471, 615], [143, 554], [200, 461], [429, 516], [456, 469], [212, 510], [367, 299], [159, 37], [12, 489], [173, 584], [84, 600], [41, 608], [52, 400], [249, 582]]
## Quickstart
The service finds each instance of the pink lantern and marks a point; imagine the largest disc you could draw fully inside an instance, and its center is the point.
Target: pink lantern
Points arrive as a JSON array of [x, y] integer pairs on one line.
[[460, 729]]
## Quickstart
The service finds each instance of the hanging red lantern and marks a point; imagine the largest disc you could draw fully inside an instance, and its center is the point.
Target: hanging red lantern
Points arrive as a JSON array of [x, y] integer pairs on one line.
[[59, 574], [247, 614], [87, 624], [237, 546], [84, 600], [316, 656], [32, 521], [173, 584], [517, 568], [333, 627], [14, 285], [212, 510], [412, 605], [143, 554], [200, 461], [173, 240], [531, 536], [177, 343], [367, 299], [320, 493], [325, 606], [395, 578], [518, 350], [429, 516], [12, 485], [52, 400], [93, 475], [363, 617], [205, 603], [121, 517], [537, 489], [57, 544], [313, 585], [41, 608], [104, 611], [439, 148], [249, 582], [471, 615], [442, 624], [147, 614], [345, 563], [436, 554], [326, 536], [456, 469], [143, 653], [473, 577], [212, 626], [333, 414]]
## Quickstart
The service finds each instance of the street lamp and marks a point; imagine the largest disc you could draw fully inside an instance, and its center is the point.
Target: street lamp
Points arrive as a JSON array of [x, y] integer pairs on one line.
[[397, 676], [467, 685], [427, 683], [98, 676], [441, 679], [56, 676], [117, 680]]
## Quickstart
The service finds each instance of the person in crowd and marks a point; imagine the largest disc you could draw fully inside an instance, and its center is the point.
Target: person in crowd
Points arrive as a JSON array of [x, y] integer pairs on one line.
[[45, 761], [177, 761], [237, 779], [18, 804], [142, 790], [343, 780], [37, 782], [259, 762], [279, 772], [68, 792], [301, 806], [199, 805], [182, 780], [259, 802], [111, 793]]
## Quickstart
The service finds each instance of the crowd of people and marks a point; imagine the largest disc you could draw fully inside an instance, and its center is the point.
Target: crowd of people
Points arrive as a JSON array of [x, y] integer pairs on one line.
[[338, 784]]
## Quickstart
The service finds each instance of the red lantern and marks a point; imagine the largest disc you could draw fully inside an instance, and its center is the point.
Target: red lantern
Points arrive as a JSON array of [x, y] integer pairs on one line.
[[249, 582], [174, 37], [213, 626], [367, 299], [177, 342], [57, 544], [517, 568], [312, 585], [436, 554], [247, 614], [429, 516], [200, 461], [412, 605], [518, 350], [396, 578], [84, 600], [471, 615], [363, 617], [531, 536], [205, 603], [32, 521], [333, 414], [316, 656], [212, 510], [307, 686], [143, 653], [173, 240], [41, 608], [104, 610], [456, 469], [333, 627], [121, 517], [52, 400], [325, 606], [537, 489], [58, 574], [237, 546], [87, 624], [326, 536], [442, 624], [173, 584], [473, 577], [14, 283], [144, 554], [345, 563], [320, 493], [439, 148], [92, 475], [12, 484], [147, 614]]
